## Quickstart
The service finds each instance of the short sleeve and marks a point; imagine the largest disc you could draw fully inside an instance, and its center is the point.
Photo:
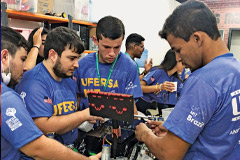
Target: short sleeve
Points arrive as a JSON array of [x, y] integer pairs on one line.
[[193, 110], [152, 76], [37, 98], [17, 127], [133, 85]]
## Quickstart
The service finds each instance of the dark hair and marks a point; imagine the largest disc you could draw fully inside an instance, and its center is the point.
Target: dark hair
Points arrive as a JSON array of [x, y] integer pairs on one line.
[[12, 40], [60, 38], [110, 27], [188, 18], [30, 38], [134, 38], [168, 63]]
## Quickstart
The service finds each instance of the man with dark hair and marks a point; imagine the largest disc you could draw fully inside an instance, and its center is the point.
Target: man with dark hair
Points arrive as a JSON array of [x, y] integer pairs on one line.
[[18, 131], [108, 70], [134, 48], [205, 122], [50, 93]]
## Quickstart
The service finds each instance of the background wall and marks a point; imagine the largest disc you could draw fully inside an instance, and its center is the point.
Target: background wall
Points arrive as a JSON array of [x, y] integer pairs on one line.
[[139, 16], [227, 13]]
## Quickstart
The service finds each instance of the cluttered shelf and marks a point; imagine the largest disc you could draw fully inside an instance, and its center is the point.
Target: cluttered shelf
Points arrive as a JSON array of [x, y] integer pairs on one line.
[[89, 51], [40, 18]]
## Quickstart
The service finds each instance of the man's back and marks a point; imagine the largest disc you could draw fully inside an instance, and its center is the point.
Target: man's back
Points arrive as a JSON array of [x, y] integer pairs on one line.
[[208, 110], [17, 127]]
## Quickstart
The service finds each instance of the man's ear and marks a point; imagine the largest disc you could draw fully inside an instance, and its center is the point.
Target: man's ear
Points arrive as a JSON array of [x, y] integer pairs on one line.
[[134, 46], [52, 54], [95, 40], [4, 57], [197, 38]]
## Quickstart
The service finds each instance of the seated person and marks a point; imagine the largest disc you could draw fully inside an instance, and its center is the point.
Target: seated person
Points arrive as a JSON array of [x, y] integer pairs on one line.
[[157, 86]]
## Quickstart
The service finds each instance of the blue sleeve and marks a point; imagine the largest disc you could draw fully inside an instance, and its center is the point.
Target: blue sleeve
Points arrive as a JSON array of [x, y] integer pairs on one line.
[[152, 76], [17, 127], [36, 96], [193, 110], [133, 83], [76, 78]]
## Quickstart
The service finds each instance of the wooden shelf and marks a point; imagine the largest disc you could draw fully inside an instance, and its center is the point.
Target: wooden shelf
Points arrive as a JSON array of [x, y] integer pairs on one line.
[[27, 16], [89, 51]]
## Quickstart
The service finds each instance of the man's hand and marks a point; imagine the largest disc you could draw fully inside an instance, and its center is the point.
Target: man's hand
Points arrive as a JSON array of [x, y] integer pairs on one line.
[[157, 128], [91, 119], [96, 157], [148, 66], [37, 37], [141, 132]]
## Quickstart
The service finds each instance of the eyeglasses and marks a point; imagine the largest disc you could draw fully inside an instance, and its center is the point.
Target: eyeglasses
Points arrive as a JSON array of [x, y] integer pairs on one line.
[[142, 46]]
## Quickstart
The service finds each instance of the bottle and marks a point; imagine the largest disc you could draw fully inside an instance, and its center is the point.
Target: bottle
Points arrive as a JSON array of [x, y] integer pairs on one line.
[[106, 152]]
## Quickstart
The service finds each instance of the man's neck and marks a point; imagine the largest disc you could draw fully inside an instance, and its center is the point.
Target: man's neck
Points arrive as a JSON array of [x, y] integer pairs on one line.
[[49, 67], [219, 49], [130, 54]]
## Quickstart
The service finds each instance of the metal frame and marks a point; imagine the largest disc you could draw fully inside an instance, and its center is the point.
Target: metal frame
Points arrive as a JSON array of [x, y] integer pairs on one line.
[[230, 36]]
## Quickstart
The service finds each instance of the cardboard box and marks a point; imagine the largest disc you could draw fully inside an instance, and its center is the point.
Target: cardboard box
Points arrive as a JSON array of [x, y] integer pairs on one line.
[[45, 6], [66, 6], [81, 10], [22, 5], [13, 4]]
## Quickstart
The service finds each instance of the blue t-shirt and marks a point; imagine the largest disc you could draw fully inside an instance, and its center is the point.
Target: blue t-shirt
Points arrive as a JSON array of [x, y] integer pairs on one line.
[[184, 74], [158, 76], [46, 97], [207, 114], [17, 126], [124, 78]]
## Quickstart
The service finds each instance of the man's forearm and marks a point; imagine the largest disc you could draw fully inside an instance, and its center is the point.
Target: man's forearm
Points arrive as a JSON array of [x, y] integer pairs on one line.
[[48, 149], [61, 124]]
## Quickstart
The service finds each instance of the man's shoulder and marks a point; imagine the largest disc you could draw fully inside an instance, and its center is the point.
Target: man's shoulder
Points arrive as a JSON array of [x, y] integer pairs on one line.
[[126, 59], [87, 58], [38, 74], [5, 89]]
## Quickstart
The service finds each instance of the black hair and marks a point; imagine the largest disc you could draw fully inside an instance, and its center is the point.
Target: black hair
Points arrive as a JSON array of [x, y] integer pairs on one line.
[[134, 38], [188, 18], [110, 27], [60, 38], [30, 38], [12, 40], [168, 63]]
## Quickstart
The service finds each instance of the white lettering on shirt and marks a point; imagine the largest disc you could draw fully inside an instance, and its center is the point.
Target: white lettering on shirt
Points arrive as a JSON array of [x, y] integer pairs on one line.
[[193, 113], [195, 122], [236, 118], [235, 93], [130, 86], [235, 131], [13, 123]]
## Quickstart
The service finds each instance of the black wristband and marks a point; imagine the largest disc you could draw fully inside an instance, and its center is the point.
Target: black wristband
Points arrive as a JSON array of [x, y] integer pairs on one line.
[[36, 47]]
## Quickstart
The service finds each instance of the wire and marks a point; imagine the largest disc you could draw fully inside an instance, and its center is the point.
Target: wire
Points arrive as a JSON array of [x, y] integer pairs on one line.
[[109, 142], [105, 139]]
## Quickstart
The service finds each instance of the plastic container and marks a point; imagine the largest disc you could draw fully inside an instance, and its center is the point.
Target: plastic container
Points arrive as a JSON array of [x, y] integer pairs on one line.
[[166, 112]]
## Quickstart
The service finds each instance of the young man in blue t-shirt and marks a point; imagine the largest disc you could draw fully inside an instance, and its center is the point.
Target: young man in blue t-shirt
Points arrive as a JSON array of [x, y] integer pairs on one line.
[[18, 131], [108, 70], [134, 48], [205, 121]]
